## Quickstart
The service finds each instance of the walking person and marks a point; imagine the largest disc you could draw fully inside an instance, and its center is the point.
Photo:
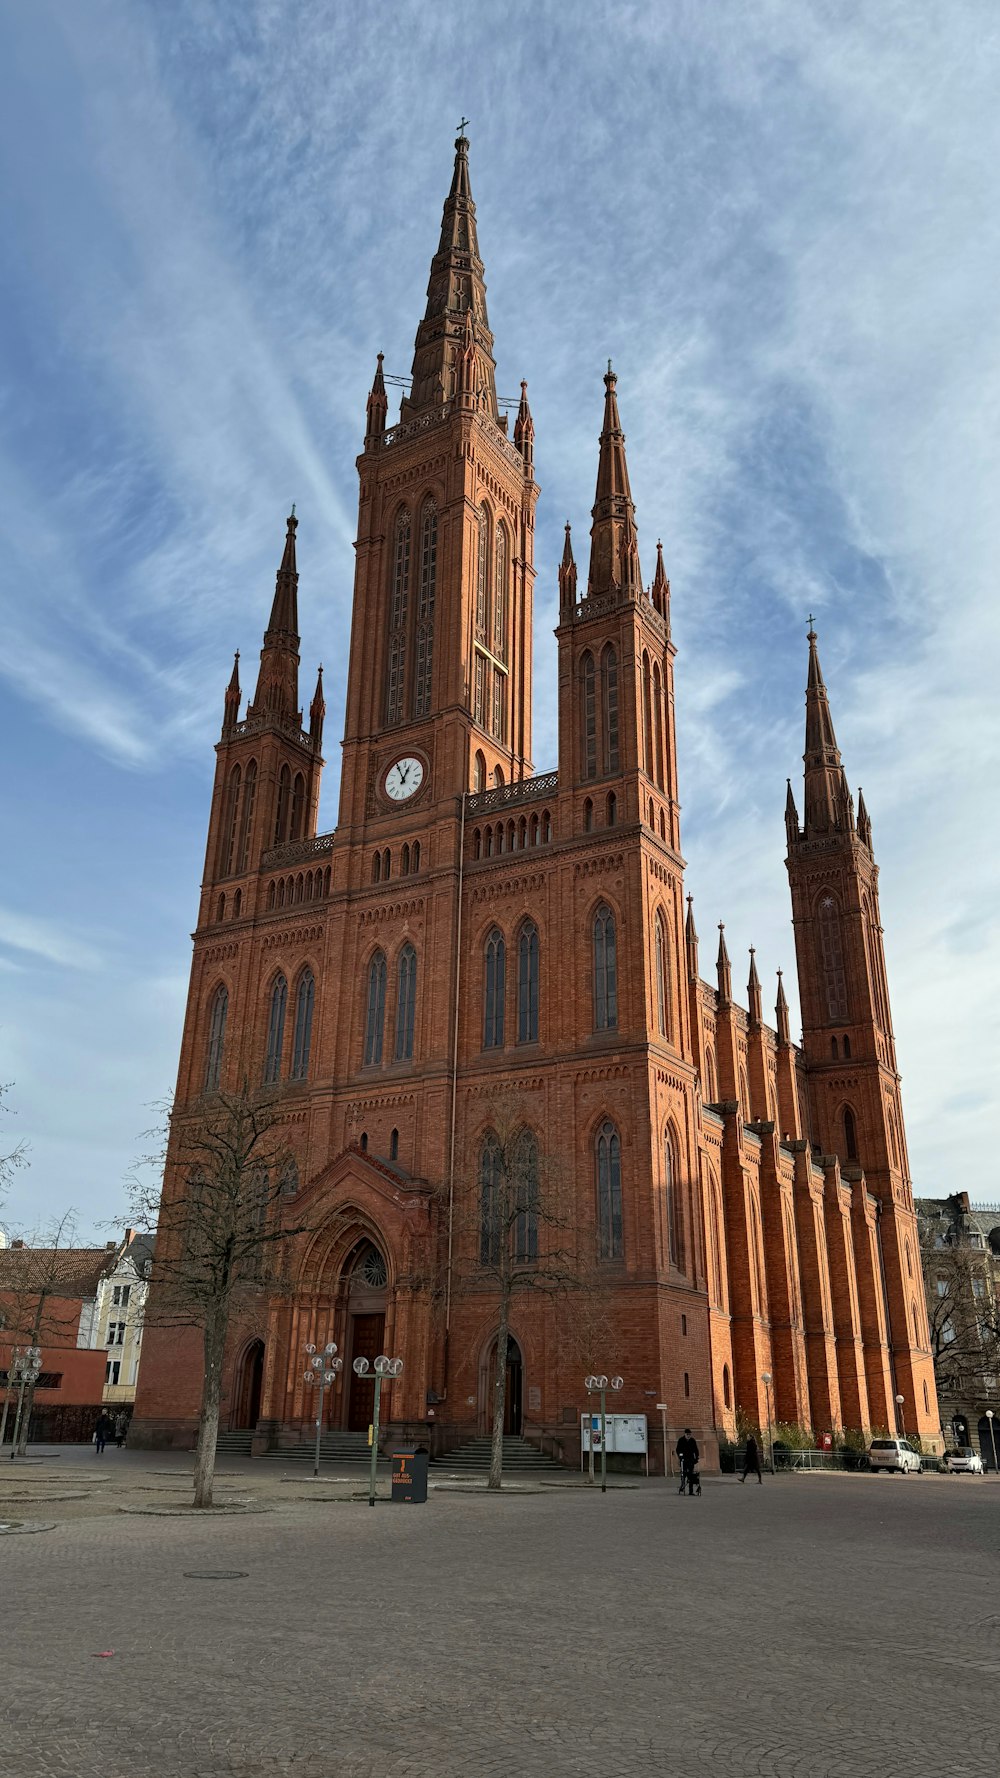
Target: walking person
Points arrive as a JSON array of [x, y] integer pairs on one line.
[[687, 1456], [751, 1460], [121, 1428], [102, 1431]]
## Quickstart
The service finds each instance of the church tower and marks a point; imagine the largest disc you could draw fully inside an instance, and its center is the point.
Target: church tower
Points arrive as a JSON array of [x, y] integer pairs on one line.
[[617, 751], [854, 1106], [268, 768], [439, 687]]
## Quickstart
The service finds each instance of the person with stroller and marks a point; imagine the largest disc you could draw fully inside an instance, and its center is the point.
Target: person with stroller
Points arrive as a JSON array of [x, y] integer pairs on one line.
[[687, 1456]]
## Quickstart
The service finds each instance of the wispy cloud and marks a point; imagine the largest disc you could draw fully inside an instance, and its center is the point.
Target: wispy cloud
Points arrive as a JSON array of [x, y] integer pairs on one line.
[[39, 938]]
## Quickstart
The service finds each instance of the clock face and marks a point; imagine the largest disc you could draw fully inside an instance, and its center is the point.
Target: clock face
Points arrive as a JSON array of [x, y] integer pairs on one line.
[[404, 779]]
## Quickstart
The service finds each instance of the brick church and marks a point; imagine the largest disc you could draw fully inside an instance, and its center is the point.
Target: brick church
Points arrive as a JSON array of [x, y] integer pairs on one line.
[[471, 925]]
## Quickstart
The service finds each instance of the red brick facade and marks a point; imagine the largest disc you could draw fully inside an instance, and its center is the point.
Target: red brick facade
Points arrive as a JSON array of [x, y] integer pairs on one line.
[[747, 1203]]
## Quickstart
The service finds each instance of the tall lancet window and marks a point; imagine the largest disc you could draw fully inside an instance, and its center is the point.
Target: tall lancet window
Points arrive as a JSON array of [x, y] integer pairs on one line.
[[216, 1039], [399, 600], [500, 600], [425, 610], [276, 1030], [305, 1000], [832, 953], [246, 821], [495, 991], [609, 698], [227, 849], [589, 713], [483, 576], [661, 976], [605, 970], [406, 1000]]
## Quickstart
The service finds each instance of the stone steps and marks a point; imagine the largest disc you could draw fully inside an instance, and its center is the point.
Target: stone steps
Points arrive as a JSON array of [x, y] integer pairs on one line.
[[519, 1458]]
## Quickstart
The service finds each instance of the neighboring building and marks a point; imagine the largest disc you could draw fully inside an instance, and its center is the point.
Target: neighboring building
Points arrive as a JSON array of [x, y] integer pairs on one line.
[[960, 1245], [115, 1320], [473, 926], [45, 1296]]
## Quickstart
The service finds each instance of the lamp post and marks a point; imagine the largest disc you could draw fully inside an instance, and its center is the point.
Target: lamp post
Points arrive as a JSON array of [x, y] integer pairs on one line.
[[600, 1385], [765, 1377], [382, 1367], [900, 1399], [661, 1408], [25, 1371], [323, 1369], [993, 1438]]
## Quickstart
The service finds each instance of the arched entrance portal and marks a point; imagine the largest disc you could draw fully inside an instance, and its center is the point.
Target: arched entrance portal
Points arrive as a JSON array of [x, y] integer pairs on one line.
[[513, 1415], [246, 1395], [366, 1276]]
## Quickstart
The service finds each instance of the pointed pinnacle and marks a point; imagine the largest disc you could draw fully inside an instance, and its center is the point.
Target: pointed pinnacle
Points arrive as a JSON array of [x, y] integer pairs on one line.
[[754, 981], [567, 554]]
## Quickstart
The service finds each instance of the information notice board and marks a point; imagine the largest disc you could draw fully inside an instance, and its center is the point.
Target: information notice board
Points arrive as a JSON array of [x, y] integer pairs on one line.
[[625, 1432]]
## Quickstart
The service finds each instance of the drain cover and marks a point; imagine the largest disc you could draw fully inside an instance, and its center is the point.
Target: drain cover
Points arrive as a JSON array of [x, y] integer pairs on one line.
[[216, 1574]]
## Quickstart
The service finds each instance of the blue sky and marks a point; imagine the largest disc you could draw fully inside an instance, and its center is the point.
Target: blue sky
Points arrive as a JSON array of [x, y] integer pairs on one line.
[[782, 222]]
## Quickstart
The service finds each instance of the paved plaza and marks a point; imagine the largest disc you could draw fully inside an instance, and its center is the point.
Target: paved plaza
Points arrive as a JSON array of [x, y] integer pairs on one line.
[[817, 1625]]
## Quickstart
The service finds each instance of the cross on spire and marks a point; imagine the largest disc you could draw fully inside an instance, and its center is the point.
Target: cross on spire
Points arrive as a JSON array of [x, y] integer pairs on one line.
[[463, 126]]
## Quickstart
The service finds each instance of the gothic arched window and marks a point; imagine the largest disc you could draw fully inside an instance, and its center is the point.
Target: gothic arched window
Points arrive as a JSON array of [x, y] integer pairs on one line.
[[479, 772], [609, 1193], [672, 1206], [227, 847], [495, 991], [605, 970], [216, 1038], [660, 963], [246, 820], [647, 720], [527, 984], [609, 707], [657, 726], [276, 1030], [302, 1042], [283, 809], [406, 1002], [831, 947], [298, 807], [850, 1134], [589, 714], [375, 1009], [500, 594], [425, 610], [399, 602], [489, 1202], [483, 576], [526, 1220]]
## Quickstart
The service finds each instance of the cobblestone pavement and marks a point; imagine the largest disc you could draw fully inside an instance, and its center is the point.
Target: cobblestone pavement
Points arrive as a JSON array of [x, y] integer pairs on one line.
[[812, 1627]]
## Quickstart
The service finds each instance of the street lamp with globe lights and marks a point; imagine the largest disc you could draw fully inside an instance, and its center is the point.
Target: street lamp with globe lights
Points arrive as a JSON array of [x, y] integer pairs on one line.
[[25, 1370], [324, 1368], [383, 1368], [595, 1386], [765, 1377], [900, 1400], [993, 1441]]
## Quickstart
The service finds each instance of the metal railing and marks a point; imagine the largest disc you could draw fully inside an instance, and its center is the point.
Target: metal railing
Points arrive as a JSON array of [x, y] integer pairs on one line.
[[524, 790]]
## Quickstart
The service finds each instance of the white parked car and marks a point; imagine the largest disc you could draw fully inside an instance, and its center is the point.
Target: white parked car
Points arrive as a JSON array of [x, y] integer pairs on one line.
[[963, 1461], [893, 1454]]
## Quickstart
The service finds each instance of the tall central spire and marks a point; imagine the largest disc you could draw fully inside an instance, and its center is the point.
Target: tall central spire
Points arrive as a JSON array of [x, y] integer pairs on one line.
[[614, 547], [278, 678], [827, 799], [454, 346]]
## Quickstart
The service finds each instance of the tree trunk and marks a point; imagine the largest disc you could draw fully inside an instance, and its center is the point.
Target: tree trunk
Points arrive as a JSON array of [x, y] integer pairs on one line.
[[27, 1405], [499, 1402], [208, 1428]]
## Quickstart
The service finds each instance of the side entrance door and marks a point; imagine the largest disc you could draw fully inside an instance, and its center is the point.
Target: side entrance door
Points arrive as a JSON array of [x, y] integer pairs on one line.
[[367, 1341]]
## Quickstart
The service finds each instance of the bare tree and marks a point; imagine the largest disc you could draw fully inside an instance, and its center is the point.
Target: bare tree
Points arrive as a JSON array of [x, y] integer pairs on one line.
[[14, 1157], [42, 1283], [223, 1225], [961, 1314], [508, 1241]]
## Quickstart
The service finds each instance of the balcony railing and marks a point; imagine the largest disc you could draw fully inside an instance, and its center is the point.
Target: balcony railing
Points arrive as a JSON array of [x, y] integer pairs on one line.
[[298, 851], [505, 796]]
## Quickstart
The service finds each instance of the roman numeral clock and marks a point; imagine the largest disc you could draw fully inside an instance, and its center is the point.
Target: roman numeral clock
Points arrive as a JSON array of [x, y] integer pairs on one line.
[[404, 778]]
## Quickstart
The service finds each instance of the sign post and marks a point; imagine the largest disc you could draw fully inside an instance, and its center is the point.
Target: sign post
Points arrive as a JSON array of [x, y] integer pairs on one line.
[[661, 1408], [383, 1367]]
